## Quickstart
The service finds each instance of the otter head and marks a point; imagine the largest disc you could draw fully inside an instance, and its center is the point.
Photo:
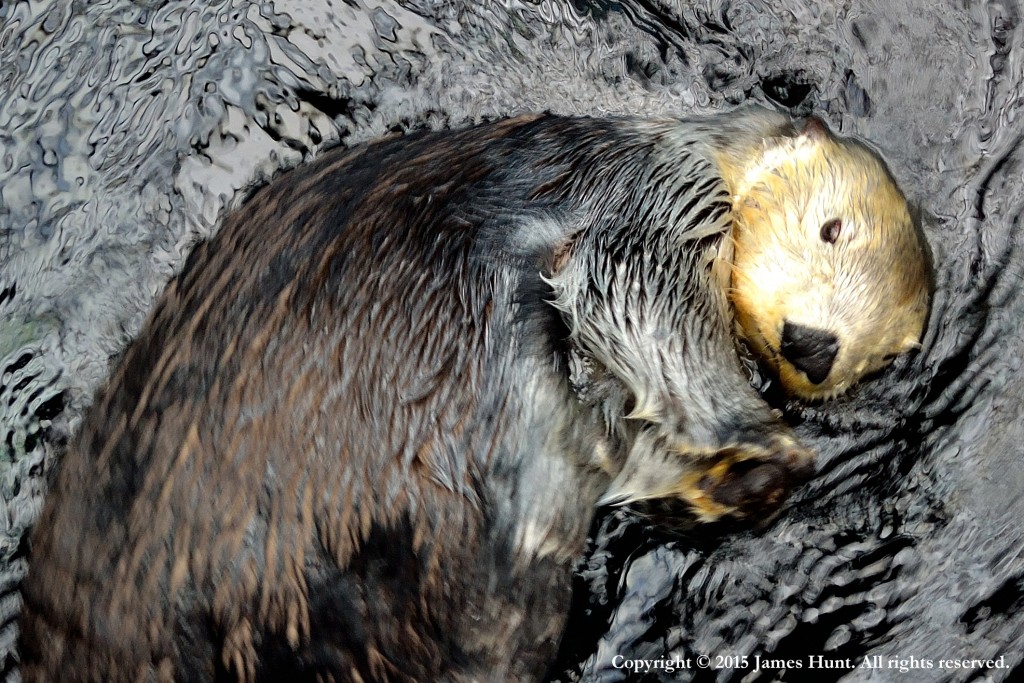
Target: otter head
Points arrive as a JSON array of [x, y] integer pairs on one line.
[[829, 277]]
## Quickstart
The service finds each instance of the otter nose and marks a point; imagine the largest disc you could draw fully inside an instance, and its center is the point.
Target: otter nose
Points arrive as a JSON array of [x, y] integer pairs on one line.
[[809, 350]]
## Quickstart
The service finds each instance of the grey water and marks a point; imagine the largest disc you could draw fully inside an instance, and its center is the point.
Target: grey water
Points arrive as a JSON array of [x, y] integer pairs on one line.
[[128, 129]]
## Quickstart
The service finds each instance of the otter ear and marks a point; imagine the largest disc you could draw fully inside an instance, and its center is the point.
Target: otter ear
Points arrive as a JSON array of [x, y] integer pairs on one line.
[[562, 252], [814, 129]]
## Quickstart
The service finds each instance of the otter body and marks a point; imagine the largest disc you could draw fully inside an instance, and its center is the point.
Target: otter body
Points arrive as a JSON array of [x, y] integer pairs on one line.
[[363, 433]]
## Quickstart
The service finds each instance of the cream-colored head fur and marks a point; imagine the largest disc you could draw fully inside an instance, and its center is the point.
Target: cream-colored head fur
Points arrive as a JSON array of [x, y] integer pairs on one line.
[[823, 240]]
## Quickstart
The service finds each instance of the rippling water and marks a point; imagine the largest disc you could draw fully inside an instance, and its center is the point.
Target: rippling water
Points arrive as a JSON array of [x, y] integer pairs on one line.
[[128, 128]]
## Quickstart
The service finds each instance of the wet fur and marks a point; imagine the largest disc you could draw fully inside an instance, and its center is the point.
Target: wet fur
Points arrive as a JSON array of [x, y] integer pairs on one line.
[[362, 435]]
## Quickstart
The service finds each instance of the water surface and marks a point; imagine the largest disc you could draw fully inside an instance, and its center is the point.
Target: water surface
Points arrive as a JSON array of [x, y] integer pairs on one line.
[[127, 129]]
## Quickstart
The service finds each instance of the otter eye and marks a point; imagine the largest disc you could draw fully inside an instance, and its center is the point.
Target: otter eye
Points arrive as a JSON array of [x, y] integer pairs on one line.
[[830, 230]]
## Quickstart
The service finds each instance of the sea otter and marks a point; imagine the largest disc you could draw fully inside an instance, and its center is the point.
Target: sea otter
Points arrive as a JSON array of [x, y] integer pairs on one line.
[[363, 433]]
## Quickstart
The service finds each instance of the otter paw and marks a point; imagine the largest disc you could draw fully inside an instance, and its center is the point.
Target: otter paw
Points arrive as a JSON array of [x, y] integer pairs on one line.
[[748, 481]]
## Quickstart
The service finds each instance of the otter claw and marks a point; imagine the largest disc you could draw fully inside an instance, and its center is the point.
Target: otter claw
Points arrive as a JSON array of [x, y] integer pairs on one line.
[[761, 484], [748, 482]]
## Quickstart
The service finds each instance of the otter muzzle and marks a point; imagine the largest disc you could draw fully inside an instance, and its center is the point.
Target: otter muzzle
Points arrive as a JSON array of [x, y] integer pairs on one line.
[[811, 351]]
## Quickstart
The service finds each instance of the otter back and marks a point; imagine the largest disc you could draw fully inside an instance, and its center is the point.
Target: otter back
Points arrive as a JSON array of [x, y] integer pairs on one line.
[[363, 432]]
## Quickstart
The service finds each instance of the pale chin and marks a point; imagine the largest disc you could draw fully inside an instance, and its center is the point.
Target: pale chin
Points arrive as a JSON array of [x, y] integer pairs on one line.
[[795, 384]]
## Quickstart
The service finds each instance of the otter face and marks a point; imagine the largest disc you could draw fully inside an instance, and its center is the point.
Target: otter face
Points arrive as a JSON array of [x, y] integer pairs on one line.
[[830, 278]]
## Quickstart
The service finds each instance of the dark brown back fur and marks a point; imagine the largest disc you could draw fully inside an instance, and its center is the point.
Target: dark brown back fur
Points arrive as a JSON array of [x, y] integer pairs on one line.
[[347, 445]]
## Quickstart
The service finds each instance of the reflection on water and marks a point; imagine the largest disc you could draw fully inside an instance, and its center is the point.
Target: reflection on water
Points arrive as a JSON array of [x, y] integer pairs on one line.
[[127, 129]]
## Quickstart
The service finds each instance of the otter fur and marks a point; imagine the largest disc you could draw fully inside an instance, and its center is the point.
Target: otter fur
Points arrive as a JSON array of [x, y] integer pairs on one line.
[[364, 431]]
